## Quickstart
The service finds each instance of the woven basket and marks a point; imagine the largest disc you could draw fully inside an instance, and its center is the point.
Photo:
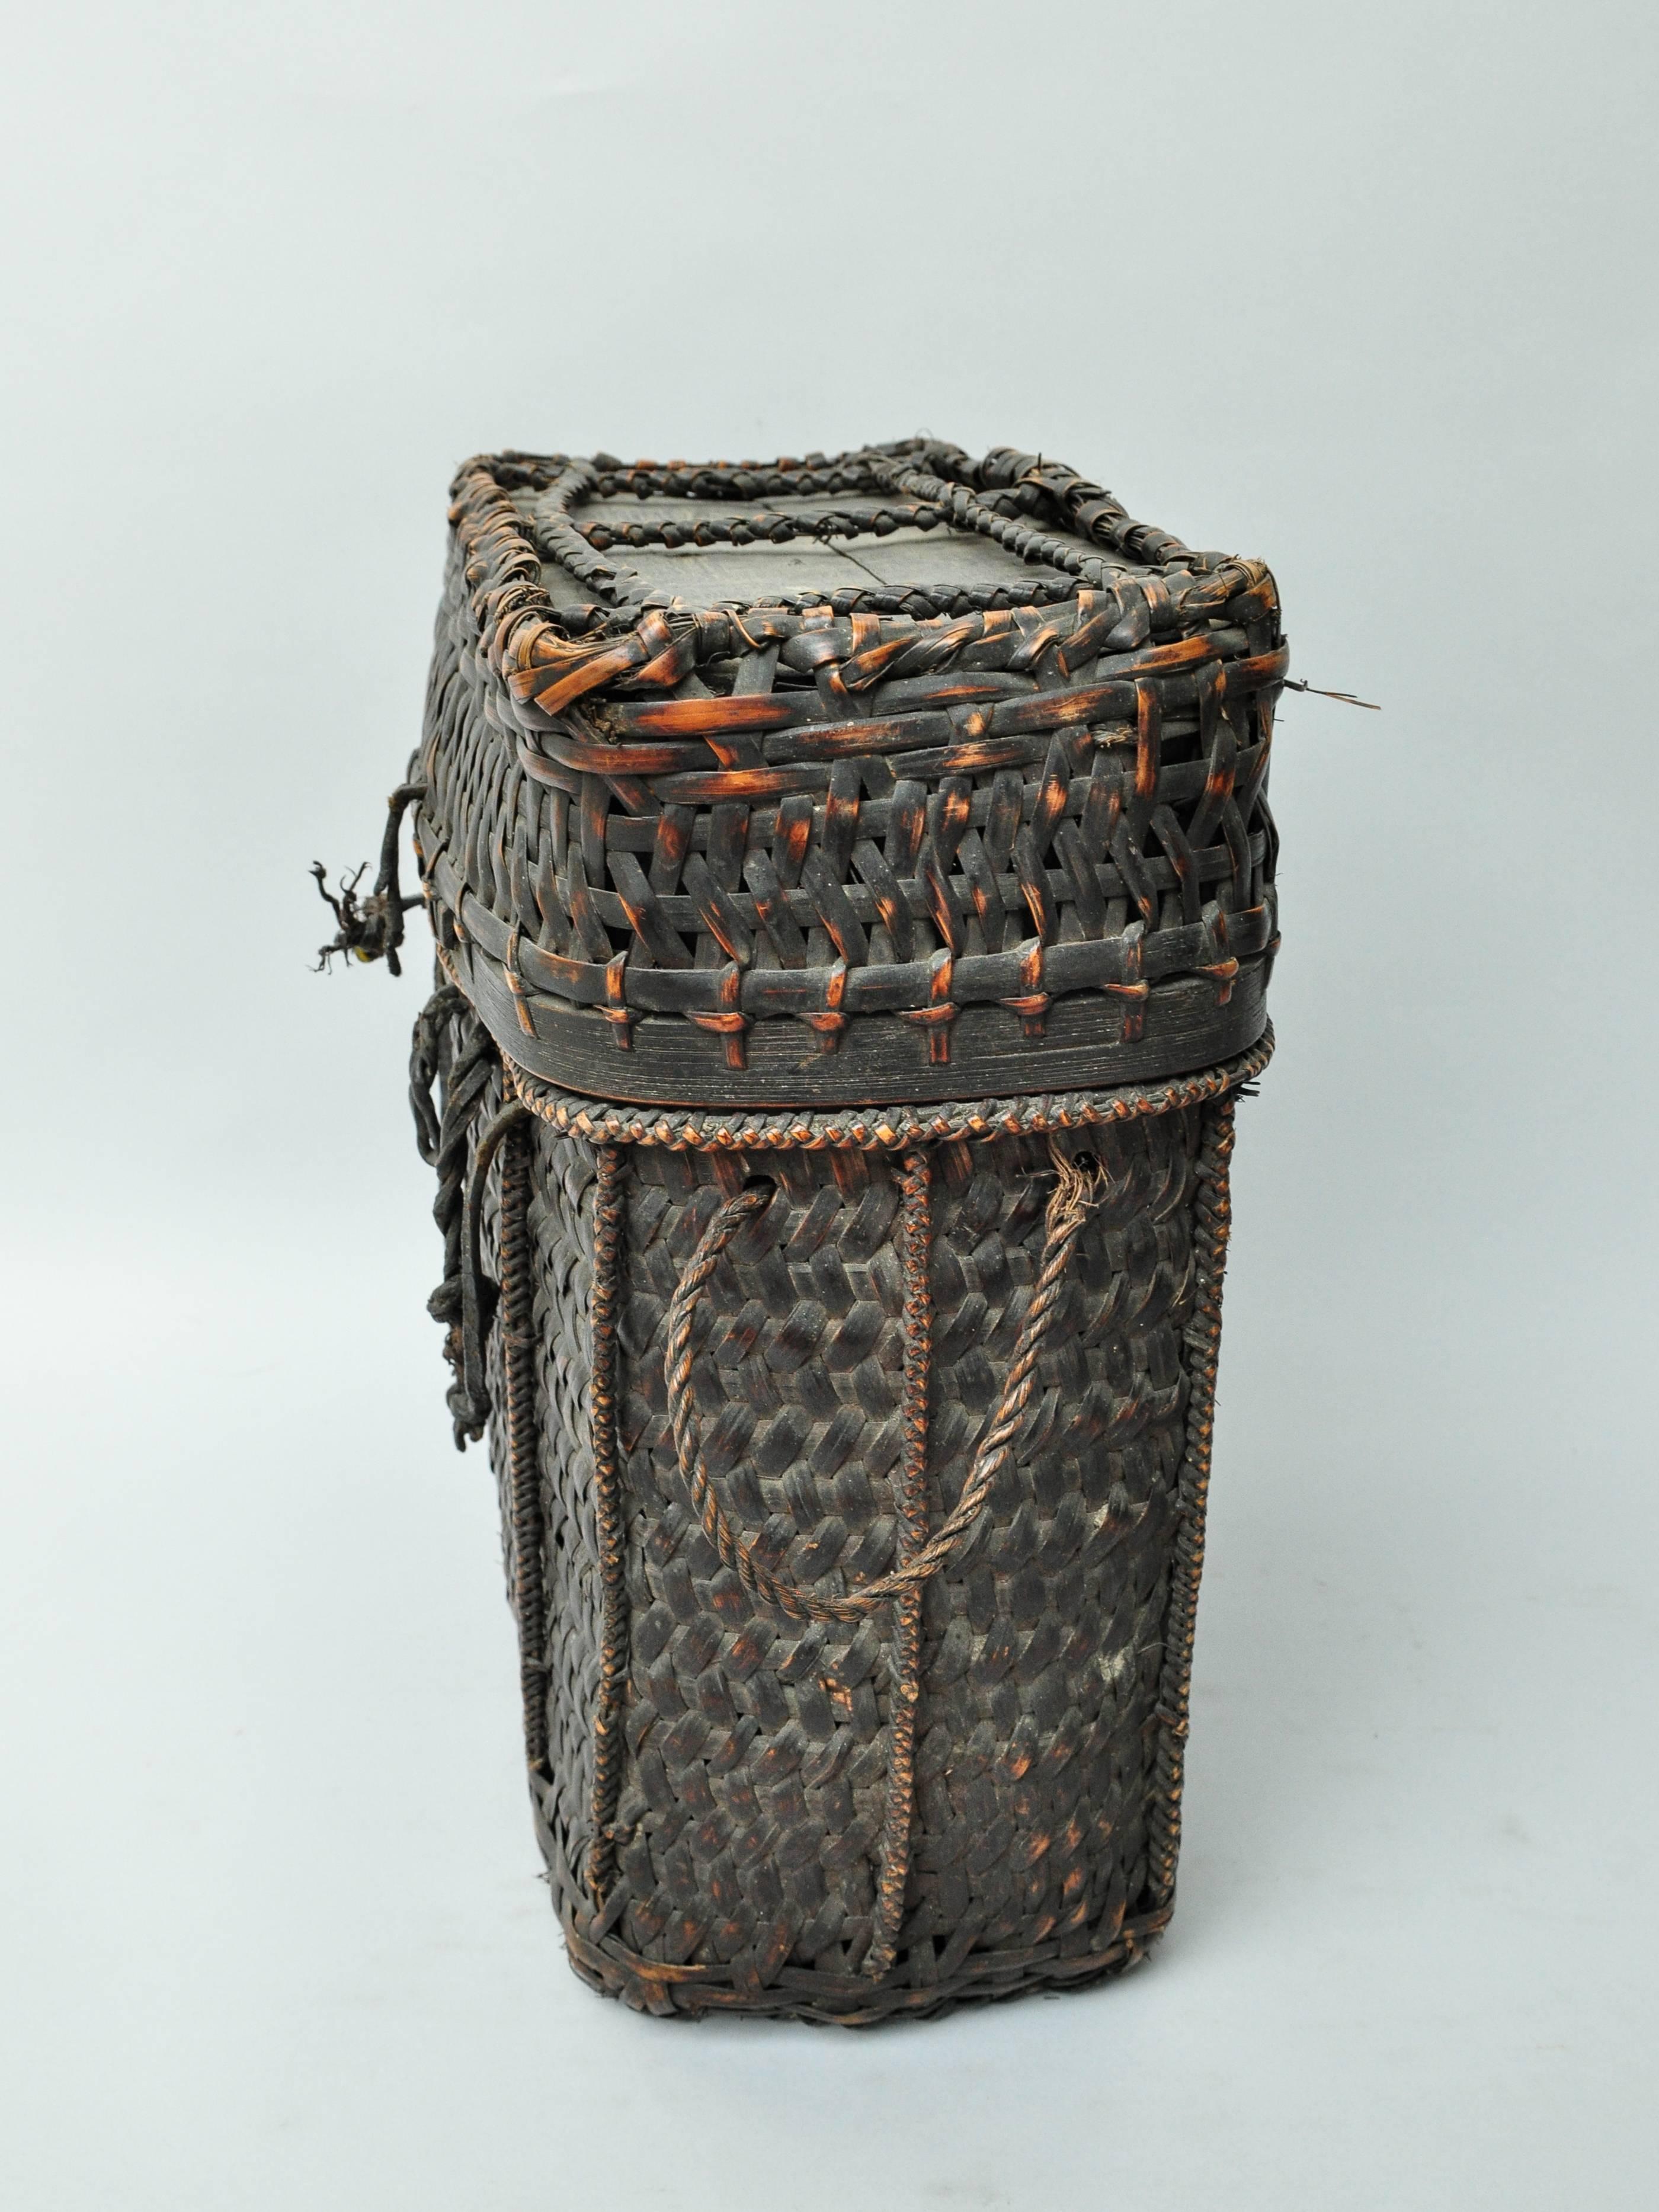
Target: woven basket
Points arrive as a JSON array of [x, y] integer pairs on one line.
[[854, 923]]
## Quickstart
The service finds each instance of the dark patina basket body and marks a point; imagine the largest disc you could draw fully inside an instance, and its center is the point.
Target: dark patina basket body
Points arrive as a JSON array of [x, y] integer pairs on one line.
[[853, 917]]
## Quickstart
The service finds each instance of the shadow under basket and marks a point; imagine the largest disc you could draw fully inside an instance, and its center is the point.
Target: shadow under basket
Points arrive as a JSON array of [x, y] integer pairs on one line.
[[849, 958]]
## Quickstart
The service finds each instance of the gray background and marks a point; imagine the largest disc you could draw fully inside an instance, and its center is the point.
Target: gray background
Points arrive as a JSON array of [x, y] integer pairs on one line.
[[1366, 290]]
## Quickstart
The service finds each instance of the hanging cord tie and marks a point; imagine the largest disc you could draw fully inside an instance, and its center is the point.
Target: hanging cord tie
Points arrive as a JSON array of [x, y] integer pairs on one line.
[[373, 928]]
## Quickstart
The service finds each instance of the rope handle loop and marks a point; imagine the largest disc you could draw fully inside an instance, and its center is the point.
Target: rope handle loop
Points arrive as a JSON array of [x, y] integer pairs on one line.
[[1077, 1191]]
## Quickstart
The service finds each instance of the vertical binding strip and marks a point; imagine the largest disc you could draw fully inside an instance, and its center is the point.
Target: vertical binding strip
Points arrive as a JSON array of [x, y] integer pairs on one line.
[[608, 1204], [915, 1227], [517, 1302], [1213, 1216]]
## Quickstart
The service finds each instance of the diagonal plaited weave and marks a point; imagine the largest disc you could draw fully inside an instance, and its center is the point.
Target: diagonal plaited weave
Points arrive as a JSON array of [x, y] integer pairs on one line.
[[853, 917]]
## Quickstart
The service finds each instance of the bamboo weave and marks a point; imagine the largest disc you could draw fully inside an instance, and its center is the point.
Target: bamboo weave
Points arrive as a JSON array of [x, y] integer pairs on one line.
[[848, 845], [843, 994]]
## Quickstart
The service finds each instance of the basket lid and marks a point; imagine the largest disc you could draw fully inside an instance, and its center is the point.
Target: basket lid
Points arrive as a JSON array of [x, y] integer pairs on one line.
[[890, 774], [912, 528]]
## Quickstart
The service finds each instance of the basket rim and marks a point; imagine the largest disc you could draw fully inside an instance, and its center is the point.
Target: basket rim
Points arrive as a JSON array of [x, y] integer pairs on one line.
[[549, 658], [875, 1126], [603, 477]]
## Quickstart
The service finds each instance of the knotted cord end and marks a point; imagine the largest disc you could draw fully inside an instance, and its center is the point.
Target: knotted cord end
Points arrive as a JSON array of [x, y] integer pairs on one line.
[[372, 928]]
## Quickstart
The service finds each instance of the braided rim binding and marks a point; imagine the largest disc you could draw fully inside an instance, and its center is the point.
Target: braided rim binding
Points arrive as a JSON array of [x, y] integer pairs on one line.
[[872, 1129], [1074, 1195]]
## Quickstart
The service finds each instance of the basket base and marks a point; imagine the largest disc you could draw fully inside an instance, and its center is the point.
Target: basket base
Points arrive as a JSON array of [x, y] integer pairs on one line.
[[836, 2001], [1033, 1847]]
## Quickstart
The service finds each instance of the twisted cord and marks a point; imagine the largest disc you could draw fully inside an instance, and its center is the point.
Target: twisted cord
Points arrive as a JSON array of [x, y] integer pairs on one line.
[[524, 1467], [608, 1741], [915, 1239], [1212, 1223], [1074, 1195], [479, 1296], [430, 1055]]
